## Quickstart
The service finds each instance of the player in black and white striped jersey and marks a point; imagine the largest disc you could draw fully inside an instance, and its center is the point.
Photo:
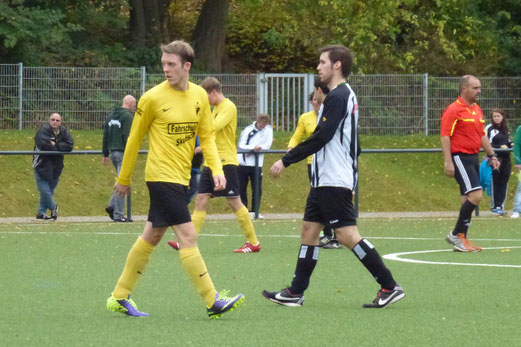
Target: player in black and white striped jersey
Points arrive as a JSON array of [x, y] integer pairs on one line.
[[334, 173]]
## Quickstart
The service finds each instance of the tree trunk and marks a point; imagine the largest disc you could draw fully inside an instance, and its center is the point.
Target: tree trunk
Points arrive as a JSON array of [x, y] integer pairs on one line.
[[150, 22], [209, 35]]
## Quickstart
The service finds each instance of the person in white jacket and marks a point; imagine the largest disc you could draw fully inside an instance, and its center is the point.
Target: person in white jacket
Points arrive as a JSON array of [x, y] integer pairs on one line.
[[255, 137]]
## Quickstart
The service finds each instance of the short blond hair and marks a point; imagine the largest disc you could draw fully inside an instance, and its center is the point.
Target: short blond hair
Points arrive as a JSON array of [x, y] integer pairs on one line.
[[181, 48], [263, 118], [211, 83]]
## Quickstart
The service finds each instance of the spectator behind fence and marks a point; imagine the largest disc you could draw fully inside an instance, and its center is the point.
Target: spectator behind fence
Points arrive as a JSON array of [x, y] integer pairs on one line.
[[255, 137], [197, 161], [115, 135], [51, 136], [517, 162], [462, 135], [499, 137]]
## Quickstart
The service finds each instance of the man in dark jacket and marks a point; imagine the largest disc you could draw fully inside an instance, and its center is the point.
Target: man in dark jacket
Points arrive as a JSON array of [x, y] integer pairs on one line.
[[48, 168], [115, 135]]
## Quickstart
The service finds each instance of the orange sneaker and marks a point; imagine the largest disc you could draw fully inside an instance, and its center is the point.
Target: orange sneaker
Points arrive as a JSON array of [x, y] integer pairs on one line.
[[248, 248], [471, 246]]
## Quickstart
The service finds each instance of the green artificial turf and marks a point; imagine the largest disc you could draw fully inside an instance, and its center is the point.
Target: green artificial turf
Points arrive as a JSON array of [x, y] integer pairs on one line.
[[56, 277]]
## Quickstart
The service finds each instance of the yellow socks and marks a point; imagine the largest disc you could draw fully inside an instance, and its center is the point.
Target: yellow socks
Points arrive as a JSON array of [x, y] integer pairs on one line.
[[243, 216], [137, 260], [198, 220], [195, 267]]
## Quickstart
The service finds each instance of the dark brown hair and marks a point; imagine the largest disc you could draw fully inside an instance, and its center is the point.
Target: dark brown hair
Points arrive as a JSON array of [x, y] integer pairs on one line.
[[342, 54], [502, 127]]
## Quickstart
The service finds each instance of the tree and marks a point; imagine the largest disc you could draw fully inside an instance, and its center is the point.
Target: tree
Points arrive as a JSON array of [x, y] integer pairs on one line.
[[150, 22], [209, 36]]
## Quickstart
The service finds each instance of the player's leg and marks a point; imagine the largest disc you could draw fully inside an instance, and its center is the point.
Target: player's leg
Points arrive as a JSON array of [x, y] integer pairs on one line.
[[117, 202], [466, 173], [195, 267], [293, 296], [137, 260], [242, 173], [243, 217], [204, 193]]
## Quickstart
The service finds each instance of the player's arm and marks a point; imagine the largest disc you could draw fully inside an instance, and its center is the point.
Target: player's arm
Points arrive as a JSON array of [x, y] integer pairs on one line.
[[226, 115], [142, 120], [449, 118], [333, 112], [125, 130], [485, 143], [267, 140], [445, 147], [206, 133], [299, 133]]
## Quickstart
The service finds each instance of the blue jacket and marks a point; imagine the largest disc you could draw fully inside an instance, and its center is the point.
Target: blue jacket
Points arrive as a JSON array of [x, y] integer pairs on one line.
[[485, 175]]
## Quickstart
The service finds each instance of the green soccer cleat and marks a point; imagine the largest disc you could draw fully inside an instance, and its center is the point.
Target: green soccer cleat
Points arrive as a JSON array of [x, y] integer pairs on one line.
[[126, 306], [223, 304]]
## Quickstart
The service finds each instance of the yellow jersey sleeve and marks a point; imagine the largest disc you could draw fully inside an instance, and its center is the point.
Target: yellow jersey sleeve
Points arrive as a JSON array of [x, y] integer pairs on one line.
[[142, 119], [225, 122], [306, 125]]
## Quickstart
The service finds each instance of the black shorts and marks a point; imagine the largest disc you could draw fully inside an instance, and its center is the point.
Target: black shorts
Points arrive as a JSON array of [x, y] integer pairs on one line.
[[168, 204], [206, 185], [466, 172], [330, 206]]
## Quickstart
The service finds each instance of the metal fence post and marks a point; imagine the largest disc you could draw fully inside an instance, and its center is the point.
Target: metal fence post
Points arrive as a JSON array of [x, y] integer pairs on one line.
[[20, 92], [255, 197], [143, 79], [262, 100], [426, 102]]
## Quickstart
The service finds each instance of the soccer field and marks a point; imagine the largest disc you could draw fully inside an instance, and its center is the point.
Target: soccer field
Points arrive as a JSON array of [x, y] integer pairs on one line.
[[56, 278]]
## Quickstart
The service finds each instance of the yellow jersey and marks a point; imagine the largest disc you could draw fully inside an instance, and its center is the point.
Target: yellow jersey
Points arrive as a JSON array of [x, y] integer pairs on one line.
[[172, 119], [225, 122], [306, 125]]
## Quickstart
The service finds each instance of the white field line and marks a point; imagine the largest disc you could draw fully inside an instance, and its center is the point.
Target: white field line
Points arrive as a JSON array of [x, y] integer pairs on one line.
[[397, 257]]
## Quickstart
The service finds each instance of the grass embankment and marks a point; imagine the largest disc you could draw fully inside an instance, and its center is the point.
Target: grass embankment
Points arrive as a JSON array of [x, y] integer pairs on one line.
[[388, 182]]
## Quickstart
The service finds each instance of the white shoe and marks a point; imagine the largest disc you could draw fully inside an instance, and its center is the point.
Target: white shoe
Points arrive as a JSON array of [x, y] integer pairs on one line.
[[252, 215], [515, 215]]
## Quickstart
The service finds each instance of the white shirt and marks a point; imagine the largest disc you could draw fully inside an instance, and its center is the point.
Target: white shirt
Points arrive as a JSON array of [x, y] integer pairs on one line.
[[250, 138]]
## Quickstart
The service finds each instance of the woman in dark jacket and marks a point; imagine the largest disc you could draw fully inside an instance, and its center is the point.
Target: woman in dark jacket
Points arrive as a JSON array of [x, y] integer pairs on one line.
[[48, 168], [499, 137]]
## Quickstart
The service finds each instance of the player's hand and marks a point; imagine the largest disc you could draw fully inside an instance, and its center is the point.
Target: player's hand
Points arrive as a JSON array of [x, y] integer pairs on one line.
[[257, 148], [494, 162], [219, 181], [198, 150], [277, 168], [121, 189], [449, 168], [105, 160]]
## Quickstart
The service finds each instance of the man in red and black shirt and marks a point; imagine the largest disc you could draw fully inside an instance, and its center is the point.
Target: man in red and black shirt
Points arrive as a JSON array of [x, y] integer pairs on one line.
[[462, 135]]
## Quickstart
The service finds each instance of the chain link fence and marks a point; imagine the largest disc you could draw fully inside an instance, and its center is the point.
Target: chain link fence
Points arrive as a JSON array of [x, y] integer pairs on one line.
[[389, 104]]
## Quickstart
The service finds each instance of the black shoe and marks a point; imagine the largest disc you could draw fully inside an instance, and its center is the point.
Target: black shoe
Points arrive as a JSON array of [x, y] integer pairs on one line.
[[386, 297], [42, 216], [333, 244], [110, 211], [121, 220], [284, 297], [324, 240], [54, 213]]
